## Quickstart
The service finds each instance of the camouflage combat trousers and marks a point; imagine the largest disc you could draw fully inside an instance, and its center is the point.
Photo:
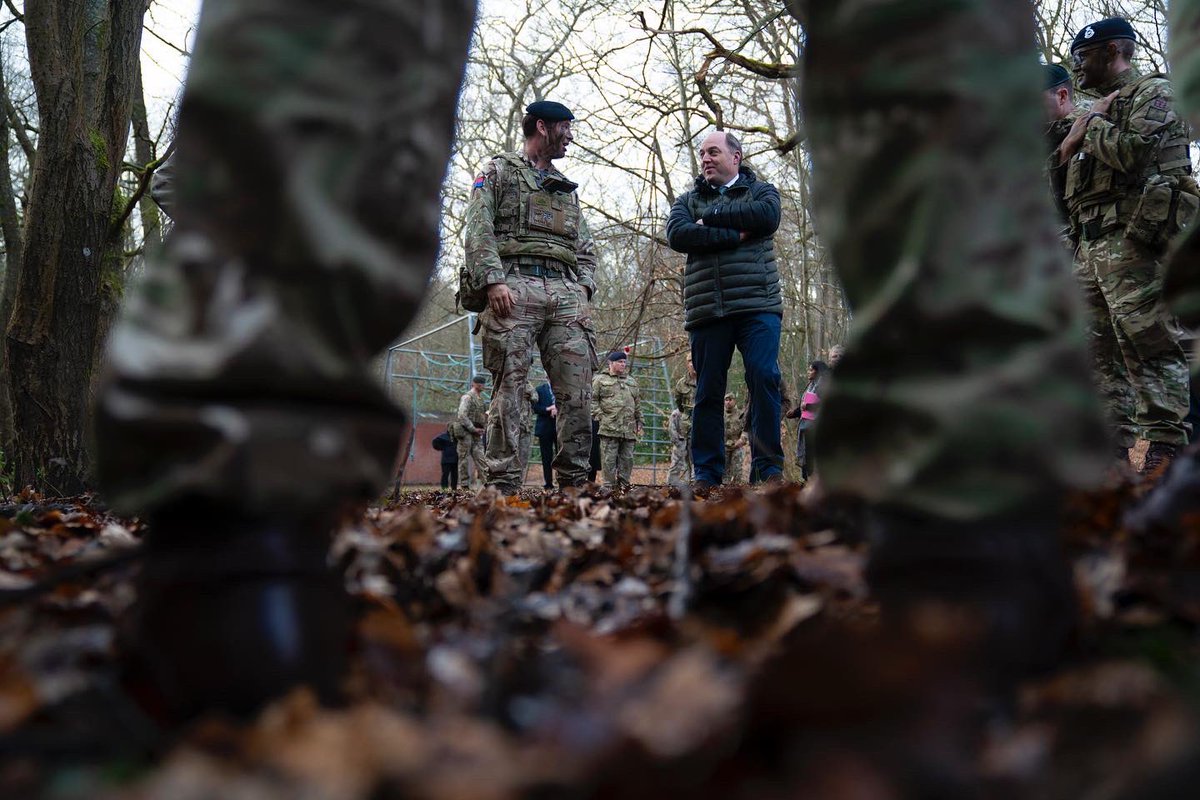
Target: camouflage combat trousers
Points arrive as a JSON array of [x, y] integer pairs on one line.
[[734, 459], [1141, 369], [240, 369], [964, 394], [471, 460], [680, 471], [616, 457], [551, 314]]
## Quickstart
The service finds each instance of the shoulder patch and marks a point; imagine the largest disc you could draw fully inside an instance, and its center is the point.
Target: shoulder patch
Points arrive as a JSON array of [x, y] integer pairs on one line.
[[479, 181], [1160, 103]]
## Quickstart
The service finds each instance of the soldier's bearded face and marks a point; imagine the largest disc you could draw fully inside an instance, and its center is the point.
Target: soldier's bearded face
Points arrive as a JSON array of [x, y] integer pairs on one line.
[[558, 136]]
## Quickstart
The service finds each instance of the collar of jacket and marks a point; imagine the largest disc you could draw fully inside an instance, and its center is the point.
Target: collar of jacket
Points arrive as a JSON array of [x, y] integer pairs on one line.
[[1127, 77], [746, 177]]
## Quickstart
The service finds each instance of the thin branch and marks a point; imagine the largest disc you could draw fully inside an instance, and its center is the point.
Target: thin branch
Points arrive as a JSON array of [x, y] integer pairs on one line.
[[143, 184]]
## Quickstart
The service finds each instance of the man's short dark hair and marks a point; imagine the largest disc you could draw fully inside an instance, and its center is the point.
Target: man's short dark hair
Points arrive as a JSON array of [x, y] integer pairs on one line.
[[734, 144]]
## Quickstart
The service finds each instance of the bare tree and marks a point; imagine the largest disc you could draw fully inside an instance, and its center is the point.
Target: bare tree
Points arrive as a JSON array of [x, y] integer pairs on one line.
[[83, 59]]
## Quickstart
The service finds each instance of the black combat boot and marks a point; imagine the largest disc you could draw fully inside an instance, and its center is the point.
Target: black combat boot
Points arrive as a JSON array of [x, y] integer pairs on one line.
[[1005, 580], [232, 613], [1158, 456]]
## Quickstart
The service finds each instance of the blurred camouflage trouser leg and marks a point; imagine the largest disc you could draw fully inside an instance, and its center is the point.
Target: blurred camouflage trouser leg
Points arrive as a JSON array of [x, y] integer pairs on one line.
[[964, 393], [733, 465], [680, 471], [1181, 285], [1108, 365], [240, 370], [552, 314], [1148, 337]]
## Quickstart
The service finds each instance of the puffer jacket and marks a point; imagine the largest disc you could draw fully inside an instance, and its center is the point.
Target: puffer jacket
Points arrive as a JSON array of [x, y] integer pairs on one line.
[[726, 276]]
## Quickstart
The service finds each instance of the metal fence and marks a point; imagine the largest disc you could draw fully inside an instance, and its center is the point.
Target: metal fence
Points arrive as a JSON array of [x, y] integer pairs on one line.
[[428, 373]]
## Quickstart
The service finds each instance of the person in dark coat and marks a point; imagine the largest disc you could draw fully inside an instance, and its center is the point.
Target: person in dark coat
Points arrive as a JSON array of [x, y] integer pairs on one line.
[[445, 443], [732, 300], [546, 431]]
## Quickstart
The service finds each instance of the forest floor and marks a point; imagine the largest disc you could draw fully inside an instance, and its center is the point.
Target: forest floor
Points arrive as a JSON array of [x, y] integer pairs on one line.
[[592, 646]]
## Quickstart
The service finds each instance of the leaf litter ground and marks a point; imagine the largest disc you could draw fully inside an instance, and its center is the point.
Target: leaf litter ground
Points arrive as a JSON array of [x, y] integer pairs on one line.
[[586, 645]]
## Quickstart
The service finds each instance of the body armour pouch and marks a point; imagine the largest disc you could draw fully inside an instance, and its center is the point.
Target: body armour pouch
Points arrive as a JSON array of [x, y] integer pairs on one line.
[[472, 291], [553, 212], [1164, 209]]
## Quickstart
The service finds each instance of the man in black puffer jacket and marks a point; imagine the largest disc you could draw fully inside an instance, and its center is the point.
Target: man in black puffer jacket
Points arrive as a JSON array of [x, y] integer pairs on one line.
[[731, 299]]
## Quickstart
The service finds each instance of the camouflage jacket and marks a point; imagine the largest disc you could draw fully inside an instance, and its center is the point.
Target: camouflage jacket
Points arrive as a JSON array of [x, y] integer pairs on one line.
[[1141, 137], [617, 404], [472, 412], [735, 426], [684, 395], [510, 216]]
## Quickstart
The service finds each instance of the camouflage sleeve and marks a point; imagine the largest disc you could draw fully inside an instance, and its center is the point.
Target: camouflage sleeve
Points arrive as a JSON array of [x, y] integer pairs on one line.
[[639, 422], [596, 387], [162, 186], [585, 255], [464, 412], [480, 241], [1129, 150]]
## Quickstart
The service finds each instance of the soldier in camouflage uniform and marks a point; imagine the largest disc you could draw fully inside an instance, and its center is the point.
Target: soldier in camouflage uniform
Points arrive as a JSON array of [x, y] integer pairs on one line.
[[736, 440], [617, 405], [527, 240], [470, 422], [1061, 114], [962, 409], [1178, 496], [239, 413], [1129, 190], [679, 473], [684, 395]]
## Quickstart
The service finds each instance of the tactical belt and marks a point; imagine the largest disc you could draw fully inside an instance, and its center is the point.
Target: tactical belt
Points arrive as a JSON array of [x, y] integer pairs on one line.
[[1093, 229], [537, 269]]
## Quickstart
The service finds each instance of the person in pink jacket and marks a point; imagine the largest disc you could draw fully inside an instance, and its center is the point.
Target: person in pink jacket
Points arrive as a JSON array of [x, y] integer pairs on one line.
[[806, 412]]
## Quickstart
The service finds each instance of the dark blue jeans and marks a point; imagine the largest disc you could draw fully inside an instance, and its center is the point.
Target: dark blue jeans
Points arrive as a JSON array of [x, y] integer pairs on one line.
[[756, 336]]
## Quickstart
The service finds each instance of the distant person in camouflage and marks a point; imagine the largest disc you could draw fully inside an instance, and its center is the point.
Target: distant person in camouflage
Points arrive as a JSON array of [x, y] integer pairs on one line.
[[736, 441], [239, 413], [1129, 190], [684, 395], [679, 473], [963, 408], [469, 426], [617, 406], [525, 448], [527, 240], [1058, 97]]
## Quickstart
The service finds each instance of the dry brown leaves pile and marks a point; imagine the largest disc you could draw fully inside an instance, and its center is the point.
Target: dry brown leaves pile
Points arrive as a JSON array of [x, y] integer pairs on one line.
[[585, 645]]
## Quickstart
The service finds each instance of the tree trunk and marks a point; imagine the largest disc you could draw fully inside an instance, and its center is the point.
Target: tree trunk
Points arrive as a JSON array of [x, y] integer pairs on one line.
[[143, 150], [14, 248], [82, 62]]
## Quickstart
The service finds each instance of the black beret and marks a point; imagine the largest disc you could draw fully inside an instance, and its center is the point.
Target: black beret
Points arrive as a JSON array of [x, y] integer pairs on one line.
[[617, 355], [549, 111], [1055, 75], [479, 379], [1105, 30]]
